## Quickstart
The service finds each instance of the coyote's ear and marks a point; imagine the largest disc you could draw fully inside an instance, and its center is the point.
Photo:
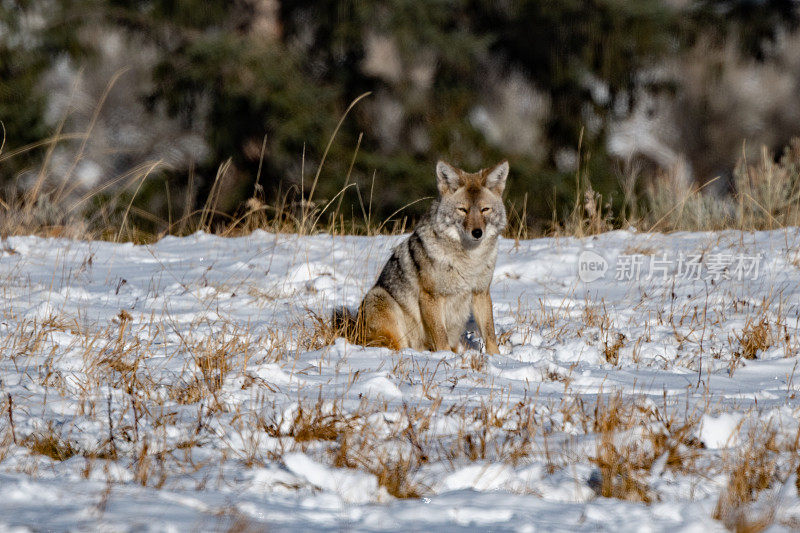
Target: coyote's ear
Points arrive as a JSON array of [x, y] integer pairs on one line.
[[496, 178], [447, 178]]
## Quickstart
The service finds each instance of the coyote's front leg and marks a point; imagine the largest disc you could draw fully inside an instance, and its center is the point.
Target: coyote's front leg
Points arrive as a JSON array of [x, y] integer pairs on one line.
[[482, 311], [430, 309]]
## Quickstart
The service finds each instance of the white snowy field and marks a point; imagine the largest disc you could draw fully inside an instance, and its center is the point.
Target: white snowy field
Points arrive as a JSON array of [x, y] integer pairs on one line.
[[187, 385]]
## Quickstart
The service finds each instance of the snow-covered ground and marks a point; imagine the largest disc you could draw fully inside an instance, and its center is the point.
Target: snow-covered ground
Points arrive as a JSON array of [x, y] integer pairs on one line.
[[187, 385]]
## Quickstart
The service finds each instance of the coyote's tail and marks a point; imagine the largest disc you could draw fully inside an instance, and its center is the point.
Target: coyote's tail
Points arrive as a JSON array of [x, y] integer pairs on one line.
[[347, 324]]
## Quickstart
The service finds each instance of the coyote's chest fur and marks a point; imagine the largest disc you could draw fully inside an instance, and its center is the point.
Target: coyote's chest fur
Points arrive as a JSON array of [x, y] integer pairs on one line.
[[442, 272], [463, 271]]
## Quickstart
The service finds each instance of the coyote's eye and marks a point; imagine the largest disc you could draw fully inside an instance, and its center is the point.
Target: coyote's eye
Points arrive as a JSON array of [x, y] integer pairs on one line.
[[486, 209], [463, 210]]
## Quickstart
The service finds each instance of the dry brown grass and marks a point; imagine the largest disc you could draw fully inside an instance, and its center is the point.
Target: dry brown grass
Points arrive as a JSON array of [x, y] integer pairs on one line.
[[753, 469], [611, 349], [635, 441], [325, 330], [395, 475], [755, 337], [590, 214], [631, 437], [767, 196], [474, 360], [596, 317], [393, 464], [149, 467], [317, 423], [393, 471], [52, 206], [639, 249], [620, 477], [50, 444]]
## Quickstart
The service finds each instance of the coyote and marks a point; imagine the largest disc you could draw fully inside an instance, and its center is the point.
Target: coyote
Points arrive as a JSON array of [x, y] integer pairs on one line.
[[433, 279]]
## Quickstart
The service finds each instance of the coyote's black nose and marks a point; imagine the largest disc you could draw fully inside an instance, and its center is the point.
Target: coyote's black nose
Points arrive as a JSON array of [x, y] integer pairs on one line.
[[477, 233]]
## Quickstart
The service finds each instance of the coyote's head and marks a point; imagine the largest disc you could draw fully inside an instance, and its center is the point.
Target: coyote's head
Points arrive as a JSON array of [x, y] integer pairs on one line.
[[470, 204]]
